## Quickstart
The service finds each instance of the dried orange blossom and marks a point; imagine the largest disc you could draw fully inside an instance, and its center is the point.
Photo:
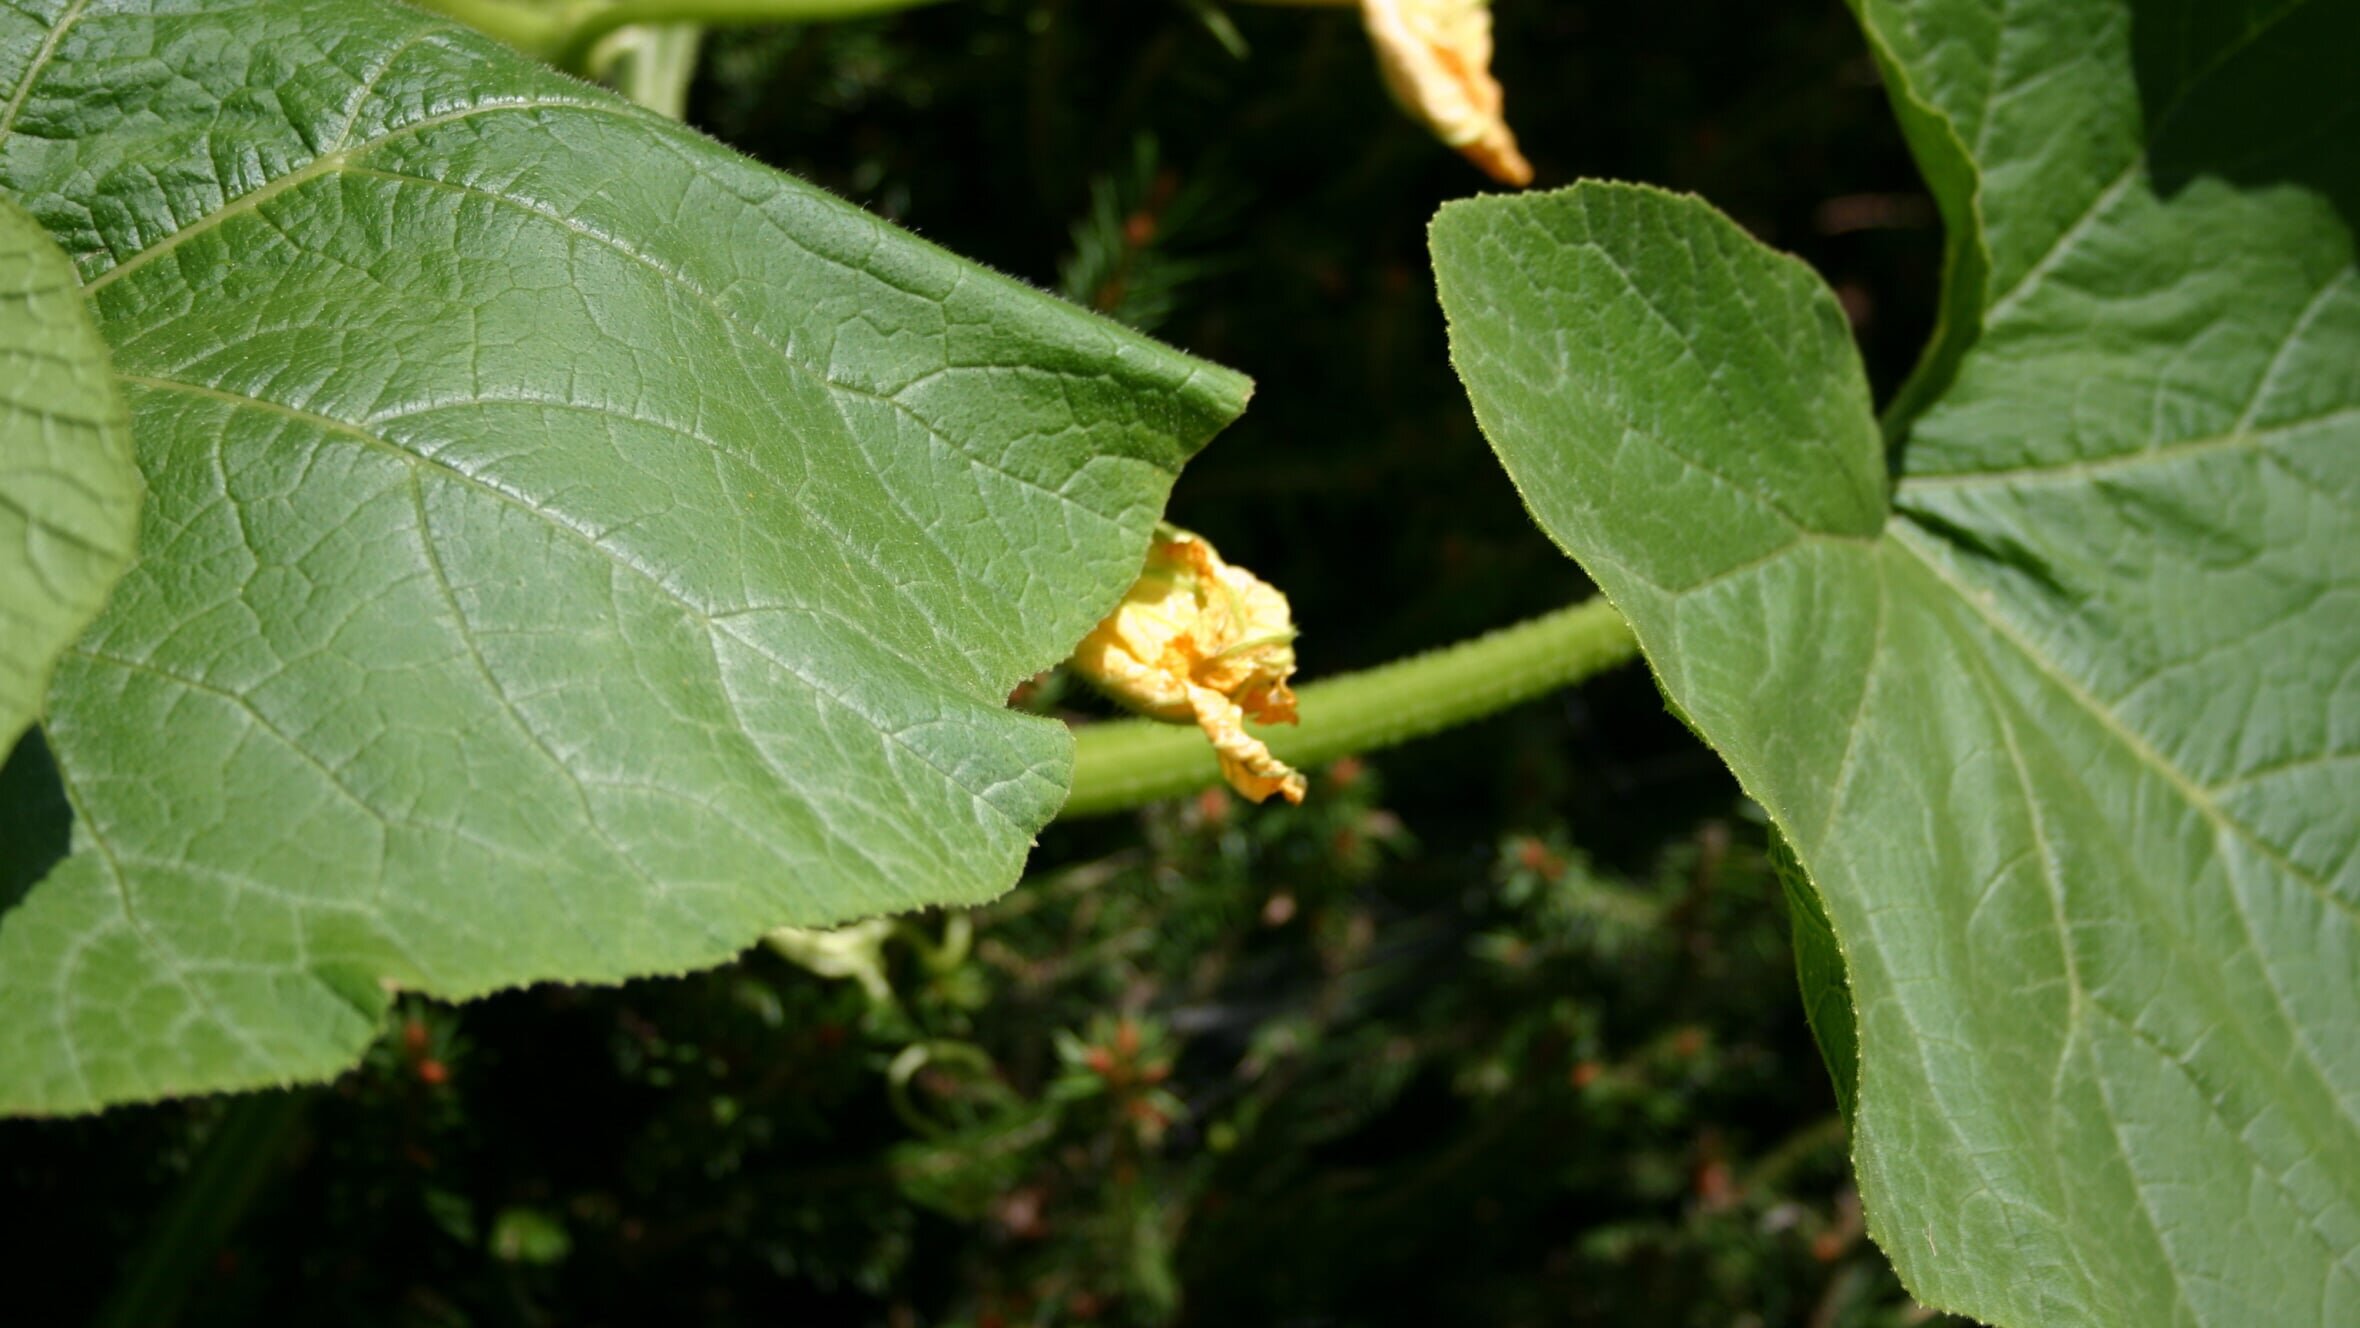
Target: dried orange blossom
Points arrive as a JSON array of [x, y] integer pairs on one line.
[[1197, 640], [1436, 59]]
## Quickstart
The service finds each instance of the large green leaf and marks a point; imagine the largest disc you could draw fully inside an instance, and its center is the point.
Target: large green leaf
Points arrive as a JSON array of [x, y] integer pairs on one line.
[[69, 495], [2059, 702], [570, 549]]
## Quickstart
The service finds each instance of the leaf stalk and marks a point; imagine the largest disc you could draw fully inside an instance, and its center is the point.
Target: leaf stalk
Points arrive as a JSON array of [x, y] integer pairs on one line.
[[564, 35]]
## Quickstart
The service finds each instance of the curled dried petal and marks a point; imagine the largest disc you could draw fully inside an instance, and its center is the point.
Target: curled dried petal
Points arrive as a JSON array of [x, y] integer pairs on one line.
[[1199, 641], [1435, 56], [1246, 761]]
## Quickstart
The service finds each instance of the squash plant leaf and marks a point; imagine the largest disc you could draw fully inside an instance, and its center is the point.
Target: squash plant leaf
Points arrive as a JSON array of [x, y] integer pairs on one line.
[[2057, 700], [569, 549], [69, 495], [1819, 974]]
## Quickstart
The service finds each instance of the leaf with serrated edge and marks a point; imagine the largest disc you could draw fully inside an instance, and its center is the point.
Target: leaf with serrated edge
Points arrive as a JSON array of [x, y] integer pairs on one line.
[[69, 494], [570, 548], [2065, 729]]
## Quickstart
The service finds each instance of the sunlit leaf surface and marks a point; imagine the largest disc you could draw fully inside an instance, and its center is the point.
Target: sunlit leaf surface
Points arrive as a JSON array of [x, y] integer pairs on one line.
[[2057, 700], [570, 549]]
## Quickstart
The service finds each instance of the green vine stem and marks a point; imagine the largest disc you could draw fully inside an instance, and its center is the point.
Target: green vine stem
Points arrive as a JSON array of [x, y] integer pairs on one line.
[[563, 34], [595, 22], [236, 1157], [1132, 762], [534, 29]]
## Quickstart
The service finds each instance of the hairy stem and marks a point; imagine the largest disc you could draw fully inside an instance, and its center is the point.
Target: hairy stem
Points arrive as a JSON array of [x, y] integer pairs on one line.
[[1134, 761], [597, 20], [537, 30], [564, 34]]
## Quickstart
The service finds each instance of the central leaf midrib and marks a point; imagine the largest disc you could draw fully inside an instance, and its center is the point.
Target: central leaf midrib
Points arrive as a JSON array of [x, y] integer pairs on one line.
[[698, 615], [1905, 537], [2114, 462], [32, 76], [2004, 711], [346, 162], [721, 310], [325, 164]]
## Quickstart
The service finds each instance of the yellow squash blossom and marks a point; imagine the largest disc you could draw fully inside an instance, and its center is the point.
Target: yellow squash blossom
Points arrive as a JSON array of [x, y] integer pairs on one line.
[[1436, 59], [1199, 641]]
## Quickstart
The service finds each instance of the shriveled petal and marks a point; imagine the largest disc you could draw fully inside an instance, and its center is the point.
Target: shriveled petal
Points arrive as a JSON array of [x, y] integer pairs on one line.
[[1246, 761], [1435, 56]]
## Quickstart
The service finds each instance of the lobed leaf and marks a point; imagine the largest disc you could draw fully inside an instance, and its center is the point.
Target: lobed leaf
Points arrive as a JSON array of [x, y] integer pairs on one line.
[[570, 549], [2057, 702]]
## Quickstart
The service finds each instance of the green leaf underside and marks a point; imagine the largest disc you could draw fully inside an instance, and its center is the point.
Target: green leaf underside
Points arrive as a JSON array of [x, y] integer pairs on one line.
[[1819, 974], [570, 549], [2065, 731], [69, 494]]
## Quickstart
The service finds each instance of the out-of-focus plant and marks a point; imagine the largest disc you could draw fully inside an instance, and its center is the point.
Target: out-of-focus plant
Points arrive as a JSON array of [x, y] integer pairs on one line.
[[1145, 239]]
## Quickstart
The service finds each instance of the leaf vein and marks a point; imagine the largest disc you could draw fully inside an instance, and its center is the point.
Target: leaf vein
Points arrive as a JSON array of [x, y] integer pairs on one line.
[[699, 613], [2164, 454], [2188, 789], [41, 59]]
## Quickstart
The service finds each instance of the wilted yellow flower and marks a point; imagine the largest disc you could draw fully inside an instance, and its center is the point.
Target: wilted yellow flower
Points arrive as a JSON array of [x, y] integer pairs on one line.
[[1199, 641], [1436, 59]]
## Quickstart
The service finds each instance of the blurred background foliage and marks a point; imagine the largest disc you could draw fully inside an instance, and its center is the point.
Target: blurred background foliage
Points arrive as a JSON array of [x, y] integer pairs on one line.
[[1500, 1028]]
